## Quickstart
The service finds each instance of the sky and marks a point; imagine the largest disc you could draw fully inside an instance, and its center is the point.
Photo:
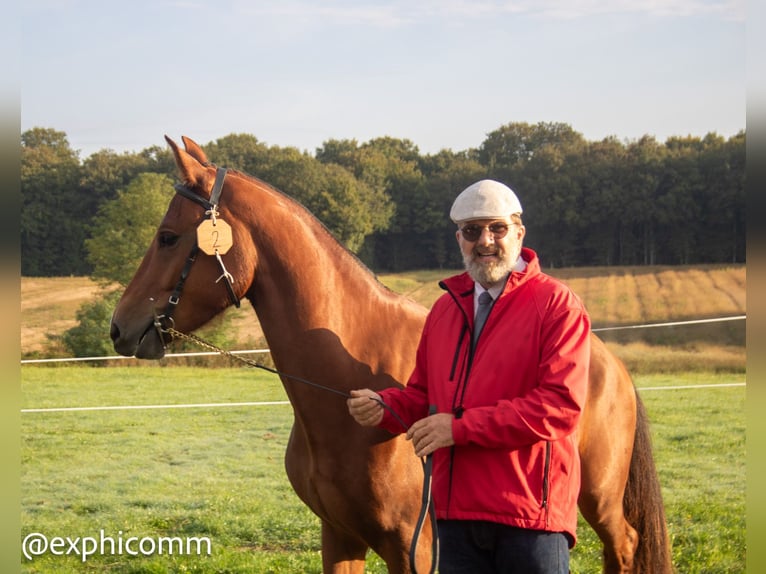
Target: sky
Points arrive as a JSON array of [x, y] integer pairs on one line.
[[441, 73]]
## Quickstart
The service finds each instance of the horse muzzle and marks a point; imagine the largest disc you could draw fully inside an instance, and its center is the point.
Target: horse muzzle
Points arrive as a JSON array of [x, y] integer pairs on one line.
[[146, 343]]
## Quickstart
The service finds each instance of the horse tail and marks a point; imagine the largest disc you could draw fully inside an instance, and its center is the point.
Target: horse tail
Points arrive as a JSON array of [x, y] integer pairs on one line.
[[642, 503]]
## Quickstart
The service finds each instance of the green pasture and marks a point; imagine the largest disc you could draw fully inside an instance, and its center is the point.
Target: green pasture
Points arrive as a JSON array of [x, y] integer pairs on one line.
[[217, 472]]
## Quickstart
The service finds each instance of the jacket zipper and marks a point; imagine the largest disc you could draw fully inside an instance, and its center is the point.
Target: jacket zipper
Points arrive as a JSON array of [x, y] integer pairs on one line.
[[457, 410], [462, 380], [457, 352]]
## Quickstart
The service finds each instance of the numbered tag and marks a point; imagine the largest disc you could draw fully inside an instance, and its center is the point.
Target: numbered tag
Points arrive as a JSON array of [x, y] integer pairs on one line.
[[212, 238]]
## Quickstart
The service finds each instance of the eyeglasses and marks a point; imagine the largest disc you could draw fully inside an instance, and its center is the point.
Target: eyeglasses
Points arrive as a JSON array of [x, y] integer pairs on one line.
[[472, 231]]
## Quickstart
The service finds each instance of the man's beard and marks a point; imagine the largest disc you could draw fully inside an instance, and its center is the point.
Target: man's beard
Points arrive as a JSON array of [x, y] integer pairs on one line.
[[489, 272]]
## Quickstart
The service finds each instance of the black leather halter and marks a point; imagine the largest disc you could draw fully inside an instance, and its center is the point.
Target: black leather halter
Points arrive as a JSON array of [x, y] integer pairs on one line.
[[161, 322], [215, 194]]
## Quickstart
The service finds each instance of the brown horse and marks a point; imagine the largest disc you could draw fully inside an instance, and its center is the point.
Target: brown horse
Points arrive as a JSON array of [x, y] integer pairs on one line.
[[327, 319]]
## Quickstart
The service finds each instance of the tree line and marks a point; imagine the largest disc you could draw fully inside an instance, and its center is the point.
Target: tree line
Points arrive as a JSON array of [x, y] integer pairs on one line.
[[586, 203]]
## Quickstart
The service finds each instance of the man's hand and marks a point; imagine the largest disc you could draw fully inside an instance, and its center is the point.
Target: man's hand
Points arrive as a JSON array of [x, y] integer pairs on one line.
[[364, 405], [431, 433]]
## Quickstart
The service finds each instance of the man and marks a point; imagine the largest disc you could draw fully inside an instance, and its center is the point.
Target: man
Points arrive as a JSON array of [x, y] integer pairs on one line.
[[508, 398]]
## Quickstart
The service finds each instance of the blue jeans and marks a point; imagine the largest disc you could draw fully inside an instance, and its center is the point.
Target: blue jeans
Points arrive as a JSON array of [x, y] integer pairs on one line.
[[477, 547]]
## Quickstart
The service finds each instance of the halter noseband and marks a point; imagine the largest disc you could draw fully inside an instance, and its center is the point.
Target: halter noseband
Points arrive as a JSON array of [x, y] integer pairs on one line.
[[211, 211]]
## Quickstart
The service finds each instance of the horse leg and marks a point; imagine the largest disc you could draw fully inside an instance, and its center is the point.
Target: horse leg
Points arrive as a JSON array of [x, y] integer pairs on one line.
[[605, 468], [602, 508], [630, 520], [341, 552], [606, 434]]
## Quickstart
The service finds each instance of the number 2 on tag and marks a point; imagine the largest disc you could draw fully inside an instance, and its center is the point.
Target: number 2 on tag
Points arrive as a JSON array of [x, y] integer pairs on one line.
[[212, 238]]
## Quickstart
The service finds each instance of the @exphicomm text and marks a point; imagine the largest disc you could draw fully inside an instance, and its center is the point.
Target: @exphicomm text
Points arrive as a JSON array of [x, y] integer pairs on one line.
[[37, 544]]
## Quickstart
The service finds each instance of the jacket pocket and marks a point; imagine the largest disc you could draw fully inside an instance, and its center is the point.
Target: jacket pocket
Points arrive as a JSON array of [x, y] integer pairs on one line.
[[546, 481]]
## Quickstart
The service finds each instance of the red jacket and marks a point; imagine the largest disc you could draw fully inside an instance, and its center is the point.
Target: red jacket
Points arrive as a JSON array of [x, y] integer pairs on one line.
[[517, 401]]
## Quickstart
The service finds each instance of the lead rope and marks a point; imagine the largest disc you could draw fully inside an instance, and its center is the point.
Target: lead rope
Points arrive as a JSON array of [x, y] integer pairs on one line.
[[426, 508], [427, 505], [202, 343]]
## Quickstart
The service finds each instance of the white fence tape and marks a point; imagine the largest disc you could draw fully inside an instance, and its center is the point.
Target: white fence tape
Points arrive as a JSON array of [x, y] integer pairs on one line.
[[120, 357], [250, 351], [147, 407], [270, 403], [672, 324], [264, 403]]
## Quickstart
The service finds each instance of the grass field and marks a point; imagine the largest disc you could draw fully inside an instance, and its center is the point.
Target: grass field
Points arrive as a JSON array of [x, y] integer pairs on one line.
[[217, 472]]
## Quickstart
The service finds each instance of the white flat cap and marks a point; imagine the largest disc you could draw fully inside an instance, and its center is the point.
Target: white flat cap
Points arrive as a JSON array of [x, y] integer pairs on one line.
[[485, 199]]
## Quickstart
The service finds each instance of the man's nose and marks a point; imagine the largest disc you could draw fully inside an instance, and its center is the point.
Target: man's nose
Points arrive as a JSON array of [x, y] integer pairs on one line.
[[486, 237]]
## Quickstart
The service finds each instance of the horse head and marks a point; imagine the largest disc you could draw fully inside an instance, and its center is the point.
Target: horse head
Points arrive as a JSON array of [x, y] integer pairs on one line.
[[200, 261]]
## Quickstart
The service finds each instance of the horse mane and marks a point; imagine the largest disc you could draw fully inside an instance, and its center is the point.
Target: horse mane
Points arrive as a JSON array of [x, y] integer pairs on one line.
[[333, 240]]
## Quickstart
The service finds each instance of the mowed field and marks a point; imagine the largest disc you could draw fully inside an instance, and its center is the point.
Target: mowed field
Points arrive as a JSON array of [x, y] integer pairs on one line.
[[215, 471]]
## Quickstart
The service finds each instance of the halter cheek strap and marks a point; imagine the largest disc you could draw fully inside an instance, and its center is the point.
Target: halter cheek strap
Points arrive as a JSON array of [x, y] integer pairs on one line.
[[211, 210]]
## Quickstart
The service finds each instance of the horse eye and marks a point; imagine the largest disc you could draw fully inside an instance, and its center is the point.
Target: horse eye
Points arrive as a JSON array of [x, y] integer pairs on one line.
[[167, 239]]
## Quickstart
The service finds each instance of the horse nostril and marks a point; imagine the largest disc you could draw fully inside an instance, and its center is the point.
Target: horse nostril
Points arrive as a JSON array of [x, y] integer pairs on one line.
[[114, 332]]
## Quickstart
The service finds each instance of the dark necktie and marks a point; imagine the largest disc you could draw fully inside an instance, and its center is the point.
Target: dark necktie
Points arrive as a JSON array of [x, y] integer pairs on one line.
[[485, 304]]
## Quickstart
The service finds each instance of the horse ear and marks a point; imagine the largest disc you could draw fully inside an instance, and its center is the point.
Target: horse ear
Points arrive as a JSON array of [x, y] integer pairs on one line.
[[191, 170], [195, 150]]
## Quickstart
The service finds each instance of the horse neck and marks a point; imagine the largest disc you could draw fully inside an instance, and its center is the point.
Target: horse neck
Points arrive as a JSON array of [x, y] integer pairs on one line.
[[309, 292], [325, 317]]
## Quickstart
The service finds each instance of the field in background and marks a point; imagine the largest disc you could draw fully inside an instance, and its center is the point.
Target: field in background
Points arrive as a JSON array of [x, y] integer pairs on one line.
[[614, 296], [218, 472], [49, 306], [624, 296]]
